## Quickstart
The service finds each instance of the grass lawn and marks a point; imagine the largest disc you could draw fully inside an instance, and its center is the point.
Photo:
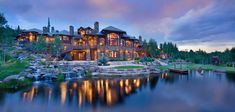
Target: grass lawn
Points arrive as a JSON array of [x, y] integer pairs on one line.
[[15, 84], [12, 67], [128, 67], [196, 66]]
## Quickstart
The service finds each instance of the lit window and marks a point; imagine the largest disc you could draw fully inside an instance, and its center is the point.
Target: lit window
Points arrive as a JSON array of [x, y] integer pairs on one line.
[[82, 32], [113, 39], [128, 43], [136, 45], [113, 54], [65, 47], [92, 41]]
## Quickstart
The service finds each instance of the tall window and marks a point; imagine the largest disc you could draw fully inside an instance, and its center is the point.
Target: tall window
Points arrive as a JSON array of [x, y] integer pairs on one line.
[[81, 42], [32, 37], [92, 41], [128, 43], [122, 42], [113, 39], [113, 54]]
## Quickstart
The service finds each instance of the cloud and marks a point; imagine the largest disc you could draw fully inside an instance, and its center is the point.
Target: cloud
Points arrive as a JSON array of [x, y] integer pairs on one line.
[[203, 23]]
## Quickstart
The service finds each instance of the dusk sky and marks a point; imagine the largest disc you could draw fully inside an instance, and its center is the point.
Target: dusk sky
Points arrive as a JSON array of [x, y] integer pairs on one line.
[[192, 24]]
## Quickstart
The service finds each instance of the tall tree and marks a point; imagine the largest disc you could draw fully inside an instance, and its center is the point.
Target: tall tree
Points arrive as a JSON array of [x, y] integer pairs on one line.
[[3, 20], [55, 47], [40, 46], [233, 53], [152, 49]]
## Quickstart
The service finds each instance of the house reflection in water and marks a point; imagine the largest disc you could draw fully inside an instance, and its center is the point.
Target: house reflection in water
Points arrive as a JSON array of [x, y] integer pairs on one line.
[[104, 92]]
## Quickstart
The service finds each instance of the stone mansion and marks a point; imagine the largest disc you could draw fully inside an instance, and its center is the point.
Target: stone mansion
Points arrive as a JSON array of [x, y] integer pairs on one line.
[[89, 43]]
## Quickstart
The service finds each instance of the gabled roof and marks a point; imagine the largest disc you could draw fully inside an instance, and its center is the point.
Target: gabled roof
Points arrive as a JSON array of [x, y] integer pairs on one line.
[[111, 28]]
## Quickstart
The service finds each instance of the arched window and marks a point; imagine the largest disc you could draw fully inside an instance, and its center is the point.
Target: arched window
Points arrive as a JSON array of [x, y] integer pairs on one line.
[[113, 39]]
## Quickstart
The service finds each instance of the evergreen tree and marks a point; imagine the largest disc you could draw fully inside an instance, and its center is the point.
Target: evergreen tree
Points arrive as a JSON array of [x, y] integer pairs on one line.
[[40, 46], [152, 48], [3, 20], [233, 53], [55, 47]]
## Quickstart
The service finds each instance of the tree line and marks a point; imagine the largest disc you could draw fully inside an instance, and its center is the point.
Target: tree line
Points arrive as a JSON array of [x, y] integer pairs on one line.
[[8, 36], [154, 50]]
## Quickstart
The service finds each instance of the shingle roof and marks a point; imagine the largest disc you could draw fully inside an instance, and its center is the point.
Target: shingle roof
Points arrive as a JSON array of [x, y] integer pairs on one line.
[[111, 28]]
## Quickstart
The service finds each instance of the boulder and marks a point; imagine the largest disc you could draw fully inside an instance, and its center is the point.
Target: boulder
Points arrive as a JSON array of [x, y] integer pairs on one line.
[[11, 78]]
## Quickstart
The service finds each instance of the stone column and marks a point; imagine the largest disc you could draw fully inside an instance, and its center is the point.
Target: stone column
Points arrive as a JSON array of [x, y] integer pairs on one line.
[[88, 53]]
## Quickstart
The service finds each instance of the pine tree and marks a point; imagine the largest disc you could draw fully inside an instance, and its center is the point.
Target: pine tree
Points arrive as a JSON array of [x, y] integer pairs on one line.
[[55, 47]]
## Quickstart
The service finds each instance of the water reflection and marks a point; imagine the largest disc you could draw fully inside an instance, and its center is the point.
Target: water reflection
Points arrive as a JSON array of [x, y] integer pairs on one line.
[[231, 77], [106, 92], [194, 92]]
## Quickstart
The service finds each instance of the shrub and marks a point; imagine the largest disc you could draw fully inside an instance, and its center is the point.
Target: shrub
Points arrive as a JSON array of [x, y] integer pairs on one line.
[[42, 63], [60, 77], [125, 59], [67, 57], [103, 60], [88, 74], [15, 84], [137, 59], [146, 59]]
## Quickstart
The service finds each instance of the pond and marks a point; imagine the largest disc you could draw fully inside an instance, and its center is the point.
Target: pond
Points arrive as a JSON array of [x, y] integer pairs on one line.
[[165, 92]]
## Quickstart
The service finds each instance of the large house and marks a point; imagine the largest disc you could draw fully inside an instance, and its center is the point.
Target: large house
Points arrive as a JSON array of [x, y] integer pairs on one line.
[[89, 43]]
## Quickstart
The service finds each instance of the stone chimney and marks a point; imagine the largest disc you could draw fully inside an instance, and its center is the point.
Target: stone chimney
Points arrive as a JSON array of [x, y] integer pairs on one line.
[[140, 38], [52, 29], [96, 26], [44, 29], [71, 30]]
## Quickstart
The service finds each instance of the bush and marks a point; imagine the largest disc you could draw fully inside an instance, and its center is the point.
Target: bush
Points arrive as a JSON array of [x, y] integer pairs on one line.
[[103, 60], [88, 74], [136, 59], [146, 59], [12, 67], [42, 63], [60, 77], [125, 59], [67, 57], [15, 84]]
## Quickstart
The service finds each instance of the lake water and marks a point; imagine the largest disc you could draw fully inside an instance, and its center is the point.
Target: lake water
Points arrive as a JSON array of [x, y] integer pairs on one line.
[[166, 92]]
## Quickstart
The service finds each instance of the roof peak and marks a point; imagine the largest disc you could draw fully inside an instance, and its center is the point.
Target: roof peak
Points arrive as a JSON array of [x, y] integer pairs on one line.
[[112, 28]]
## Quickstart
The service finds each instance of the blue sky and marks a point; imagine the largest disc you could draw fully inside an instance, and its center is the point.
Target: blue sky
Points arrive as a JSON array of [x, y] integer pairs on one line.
[[192, 24]]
